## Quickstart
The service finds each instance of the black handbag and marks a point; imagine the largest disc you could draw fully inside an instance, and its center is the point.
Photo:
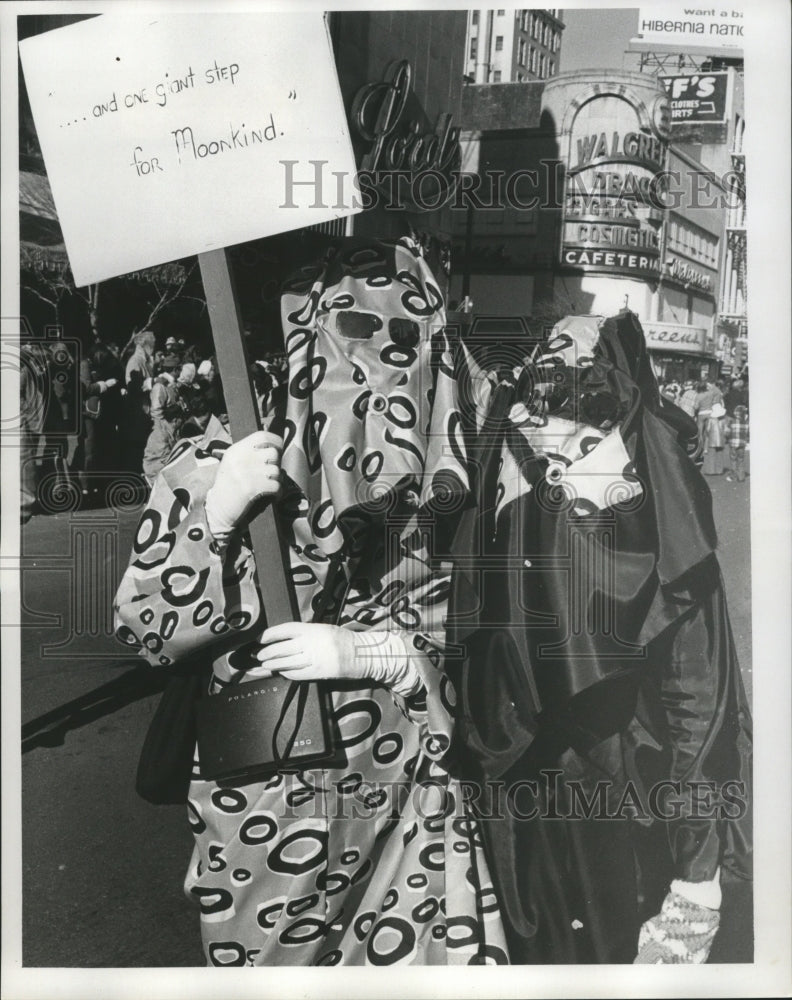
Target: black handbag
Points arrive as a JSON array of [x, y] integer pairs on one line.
[[254, 729], [248, 731]]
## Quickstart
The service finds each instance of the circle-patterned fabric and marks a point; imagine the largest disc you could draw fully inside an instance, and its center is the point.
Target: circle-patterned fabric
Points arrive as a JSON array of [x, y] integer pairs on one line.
[[375, 861]]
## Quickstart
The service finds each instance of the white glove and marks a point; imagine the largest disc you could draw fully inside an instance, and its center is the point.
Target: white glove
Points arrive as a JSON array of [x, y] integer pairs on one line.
[[310, 651], [249, 469], [681, 934], [110, 382]]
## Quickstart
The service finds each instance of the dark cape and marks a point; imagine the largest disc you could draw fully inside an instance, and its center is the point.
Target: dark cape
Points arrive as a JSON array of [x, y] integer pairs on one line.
[[596, 660]]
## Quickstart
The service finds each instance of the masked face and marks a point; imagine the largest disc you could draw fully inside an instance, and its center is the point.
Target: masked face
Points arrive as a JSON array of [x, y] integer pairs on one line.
[[570, 413], [367, 417]]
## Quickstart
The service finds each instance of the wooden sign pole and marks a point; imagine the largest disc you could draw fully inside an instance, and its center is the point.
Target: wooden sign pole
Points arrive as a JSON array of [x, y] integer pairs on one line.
[[243, 413]]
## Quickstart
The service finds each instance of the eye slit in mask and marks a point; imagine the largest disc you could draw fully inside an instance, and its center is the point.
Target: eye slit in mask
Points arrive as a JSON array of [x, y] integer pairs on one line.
[[355, 325], [404, 332]]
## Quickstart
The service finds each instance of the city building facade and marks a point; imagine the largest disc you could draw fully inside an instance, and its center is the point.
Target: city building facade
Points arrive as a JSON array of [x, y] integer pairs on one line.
[[708, 125], [513, 46], [592, 201]]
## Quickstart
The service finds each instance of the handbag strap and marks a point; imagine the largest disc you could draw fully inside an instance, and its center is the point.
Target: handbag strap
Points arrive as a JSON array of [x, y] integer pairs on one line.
[[300, 689]]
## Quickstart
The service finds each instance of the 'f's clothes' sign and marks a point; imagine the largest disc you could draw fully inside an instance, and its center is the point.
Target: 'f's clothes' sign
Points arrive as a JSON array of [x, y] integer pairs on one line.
[[697, 97]]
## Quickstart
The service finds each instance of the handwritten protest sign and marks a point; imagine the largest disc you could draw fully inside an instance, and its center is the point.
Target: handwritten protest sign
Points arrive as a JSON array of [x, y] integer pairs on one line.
[[166, 136]]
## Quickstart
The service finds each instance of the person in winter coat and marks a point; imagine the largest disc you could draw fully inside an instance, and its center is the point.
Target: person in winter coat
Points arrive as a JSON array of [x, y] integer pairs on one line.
[[139, 375], [164, 435], [92, 390]]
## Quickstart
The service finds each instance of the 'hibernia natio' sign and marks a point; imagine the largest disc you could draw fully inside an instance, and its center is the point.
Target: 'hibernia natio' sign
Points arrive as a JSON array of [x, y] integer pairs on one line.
[[164, 136]]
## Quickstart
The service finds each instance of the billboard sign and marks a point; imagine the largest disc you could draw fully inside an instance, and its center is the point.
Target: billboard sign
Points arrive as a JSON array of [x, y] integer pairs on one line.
[[697, 97], [714, 29]]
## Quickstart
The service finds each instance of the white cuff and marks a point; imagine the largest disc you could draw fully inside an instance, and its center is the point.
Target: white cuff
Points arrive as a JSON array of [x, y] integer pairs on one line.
[[703, 893], [220, 534], [386, 660]]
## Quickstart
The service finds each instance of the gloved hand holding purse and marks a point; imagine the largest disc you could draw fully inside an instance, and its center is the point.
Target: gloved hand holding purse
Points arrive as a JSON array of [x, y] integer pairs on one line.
[[311, 651]]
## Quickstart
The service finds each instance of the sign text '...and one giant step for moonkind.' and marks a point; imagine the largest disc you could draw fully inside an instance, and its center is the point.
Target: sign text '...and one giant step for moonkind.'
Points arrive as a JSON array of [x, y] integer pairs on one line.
[[165, 136]]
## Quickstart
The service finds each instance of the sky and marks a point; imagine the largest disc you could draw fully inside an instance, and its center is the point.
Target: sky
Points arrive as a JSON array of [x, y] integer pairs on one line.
[[597, 38]]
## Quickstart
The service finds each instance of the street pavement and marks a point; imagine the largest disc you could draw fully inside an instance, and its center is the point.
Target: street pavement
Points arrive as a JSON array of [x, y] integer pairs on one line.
[[102, 869]]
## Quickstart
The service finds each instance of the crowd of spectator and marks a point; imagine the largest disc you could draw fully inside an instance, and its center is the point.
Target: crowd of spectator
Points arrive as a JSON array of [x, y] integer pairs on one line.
[[89, 417], [86, 419], [721, 411]]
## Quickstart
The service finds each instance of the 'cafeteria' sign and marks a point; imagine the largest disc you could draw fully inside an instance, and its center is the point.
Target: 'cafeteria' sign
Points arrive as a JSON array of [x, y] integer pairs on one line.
[[167, 136]]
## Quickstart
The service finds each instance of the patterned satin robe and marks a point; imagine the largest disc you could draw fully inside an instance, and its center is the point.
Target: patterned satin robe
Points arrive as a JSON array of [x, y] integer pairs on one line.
[[378, 861]]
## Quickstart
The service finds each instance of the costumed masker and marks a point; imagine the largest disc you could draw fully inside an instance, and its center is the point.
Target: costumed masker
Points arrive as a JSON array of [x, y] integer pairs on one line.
[[375, 860], [599, 690]]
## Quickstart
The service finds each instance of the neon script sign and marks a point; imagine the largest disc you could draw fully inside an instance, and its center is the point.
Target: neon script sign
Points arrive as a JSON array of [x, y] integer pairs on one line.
[[399, 146]]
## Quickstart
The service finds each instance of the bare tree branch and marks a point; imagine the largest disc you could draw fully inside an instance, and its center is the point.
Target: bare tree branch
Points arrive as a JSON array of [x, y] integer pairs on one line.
[[167, 293], [53, 303]]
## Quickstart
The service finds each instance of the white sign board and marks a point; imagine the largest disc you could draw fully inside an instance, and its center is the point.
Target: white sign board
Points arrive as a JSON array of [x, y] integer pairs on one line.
[[166, 136], [710, 28], [676, 339]]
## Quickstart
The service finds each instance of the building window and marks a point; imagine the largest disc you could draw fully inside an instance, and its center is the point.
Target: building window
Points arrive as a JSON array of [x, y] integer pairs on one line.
[[474, 19], [473, 48], [541, 67], [531, 19], [499, 43], [551, 68], [533, 60], [501, 13], [521, 50], [520, 78], [496, 76]]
